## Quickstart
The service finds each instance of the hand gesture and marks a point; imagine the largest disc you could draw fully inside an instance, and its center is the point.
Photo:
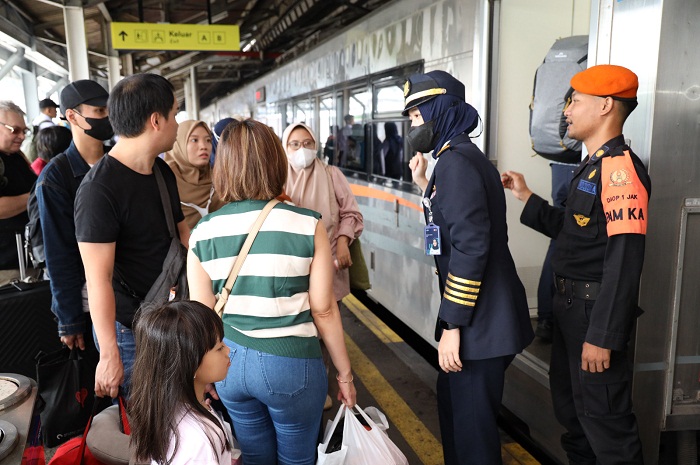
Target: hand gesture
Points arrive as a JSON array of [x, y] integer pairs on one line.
[[516, 183], [418, 164]]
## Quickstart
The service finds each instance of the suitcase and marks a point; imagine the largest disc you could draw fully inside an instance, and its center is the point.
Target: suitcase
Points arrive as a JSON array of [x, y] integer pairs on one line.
[[27, 325]]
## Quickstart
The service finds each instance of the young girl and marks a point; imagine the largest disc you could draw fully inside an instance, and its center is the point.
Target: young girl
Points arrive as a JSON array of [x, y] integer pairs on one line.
[[178, 353]]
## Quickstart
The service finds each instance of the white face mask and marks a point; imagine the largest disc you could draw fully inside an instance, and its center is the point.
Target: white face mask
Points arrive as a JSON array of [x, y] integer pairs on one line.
[[302, 158]]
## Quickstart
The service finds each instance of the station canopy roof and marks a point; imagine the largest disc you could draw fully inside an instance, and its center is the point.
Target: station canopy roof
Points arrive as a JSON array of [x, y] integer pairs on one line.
[[272, 32]]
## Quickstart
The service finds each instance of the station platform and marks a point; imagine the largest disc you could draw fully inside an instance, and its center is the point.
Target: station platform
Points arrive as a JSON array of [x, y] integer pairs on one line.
[[393, 377]]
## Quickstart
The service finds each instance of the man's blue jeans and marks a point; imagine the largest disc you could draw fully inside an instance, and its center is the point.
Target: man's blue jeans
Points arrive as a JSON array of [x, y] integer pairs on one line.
[[127, 352], [276, 404]]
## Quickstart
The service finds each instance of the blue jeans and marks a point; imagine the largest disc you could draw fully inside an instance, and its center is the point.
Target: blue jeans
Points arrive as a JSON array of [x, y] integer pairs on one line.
[[276, 404], [127, 352]]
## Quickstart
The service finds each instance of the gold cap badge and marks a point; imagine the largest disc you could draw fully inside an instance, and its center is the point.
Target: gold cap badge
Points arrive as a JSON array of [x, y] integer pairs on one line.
[[406, 88]]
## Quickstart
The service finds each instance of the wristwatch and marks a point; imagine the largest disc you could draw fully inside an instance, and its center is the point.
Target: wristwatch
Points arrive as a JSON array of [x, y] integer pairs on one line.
[[445, 325]]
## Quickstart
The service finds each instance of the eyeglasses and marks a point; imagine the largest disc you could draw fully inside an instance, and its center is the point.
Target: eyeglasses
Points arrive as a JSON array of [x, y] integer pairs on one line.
[[307, 144], [17, 130]]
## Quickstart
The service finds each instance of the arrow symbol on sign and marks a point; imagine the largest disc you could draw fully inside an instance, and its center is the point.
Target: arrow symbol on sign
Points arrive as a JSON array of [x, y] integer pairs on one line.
[[123, 35]]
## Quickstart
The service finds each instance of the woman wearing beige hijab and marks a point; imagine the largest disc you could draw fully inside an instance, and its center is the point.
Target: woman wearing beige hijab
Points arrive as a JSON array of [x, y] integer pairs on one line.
[[189, 160], [311, 184]]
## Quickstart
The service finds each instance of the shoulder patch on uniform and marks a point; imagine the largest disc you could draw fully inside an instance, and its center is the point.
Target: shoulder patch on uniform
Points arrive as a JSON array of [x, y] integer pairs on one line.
[[624, 197]]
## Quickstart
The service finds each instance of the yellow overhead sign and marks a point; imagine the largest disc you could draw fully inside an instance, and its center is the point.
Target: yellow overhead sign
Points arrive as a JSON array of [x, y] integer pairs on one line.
[[153, 36]]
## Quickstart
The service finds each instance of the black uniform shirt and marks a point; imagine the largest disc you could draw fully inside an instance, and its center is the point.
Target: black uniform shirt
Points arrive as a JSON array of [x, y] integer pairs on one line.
[[600, 235]]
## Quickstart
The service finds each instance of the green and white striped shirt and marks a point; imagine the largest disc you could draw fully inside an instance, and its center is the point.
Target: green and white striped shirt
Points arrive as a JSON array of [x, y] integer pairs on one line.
[[268, 309]]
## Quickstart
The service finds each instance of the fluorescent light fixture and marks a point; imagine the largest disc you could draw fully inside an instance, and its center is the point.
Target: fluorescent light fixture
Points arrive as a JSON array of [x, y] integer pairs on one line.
[[249, 46]]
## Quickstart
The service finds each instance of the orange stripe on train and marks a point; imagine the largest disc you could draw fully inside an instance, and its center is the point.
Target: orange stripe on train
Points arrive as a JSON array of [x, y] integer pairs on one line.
[[365, 191], [625, 200]]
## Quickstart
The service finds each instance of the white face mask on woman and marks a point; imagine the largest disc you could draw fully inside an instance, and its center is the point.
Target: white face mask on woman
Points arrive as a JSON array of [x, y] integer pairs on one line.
[[302, 158]]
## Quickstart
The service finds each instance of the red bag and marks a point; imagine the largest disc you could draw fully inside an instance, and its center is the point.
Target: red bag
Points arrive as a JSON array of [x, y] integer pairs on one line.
[[76, 452]]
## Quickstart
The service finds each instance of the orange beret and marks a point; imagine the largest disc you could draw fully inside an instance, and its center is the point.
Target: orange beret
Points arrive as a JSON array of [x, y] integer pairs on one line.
[[606, 80]]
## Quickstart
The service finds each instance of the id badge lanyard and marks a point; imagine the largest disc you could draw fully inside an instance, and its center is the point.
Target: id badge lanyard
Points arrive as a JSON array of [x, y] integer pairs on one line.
[[431, 232]]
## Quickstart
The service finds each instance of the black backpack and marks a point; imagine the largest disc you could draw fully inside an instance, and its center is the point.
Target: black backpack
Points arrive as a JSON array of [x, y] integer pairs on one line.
[[551, 91], [33, 236]]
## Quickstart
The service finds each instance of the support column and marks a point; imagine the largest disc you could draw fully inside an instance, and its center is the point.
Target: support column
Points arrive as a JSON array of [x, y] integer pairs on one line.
[[128, 64], [194, 93], [11, 62], [188, 99], [60, 84], [76, 43], [31, 93], [113, 70]]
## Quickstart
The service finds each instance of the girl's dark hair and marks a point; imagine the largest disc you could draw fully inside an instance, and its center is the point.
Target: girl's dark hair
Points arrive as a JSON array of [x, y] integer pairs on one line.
[[51, 141], [250, 163], [171, 341], [135, 98]]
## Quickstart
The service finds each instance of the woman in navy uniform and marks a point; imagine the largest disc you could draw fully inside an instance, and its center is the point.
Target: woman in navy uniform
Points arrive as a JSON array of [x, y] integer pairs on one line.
[[484, 319], [597, 262]]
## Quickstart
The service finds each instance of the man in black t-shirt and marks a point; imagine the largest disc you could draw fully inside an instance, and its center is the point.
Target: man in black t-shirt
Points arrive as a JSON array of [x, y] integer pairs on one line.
[[121, 223], [16, 180]]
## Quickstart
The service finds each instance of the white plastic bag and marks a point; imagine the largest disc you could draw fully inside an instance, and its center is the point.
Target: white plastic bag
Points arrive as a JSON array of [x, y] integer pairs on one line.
[[369, 447], [337, 457]]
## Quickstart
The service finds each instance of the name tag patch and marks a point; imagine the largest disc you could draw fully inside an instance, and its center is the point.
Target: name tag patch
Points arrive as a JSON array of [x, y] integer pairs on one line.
[[587, 186]]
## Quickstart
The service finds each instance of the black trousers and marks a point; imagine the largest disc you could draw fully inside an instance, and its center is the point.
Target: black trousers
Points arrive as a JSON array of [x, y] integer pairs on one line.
[[595, 408], [468, 404]]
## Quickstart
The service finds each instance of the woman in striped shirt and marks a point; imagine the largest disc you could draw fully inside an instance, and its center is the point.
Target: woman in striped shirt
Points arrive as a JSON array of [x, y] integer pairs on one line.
[[280, 305]]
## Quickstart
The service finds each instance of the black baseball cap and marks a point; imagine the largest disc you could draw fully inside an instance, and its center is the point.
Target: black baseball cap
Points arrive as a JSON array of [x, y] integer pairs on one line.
[[47, 103], [83, 91]]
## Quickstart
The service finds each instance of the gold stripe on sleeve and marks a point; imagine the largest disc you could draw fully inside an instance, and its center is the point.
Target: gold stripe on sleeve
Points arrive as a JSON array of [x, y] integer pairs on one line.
[[474, 290], [460, 294], [462, 280], [459, 301]]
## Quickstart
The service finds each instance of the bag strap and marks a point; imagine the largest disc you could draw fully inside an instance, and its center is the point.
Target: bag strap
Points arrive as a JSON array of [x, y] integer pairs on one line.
[[226, 290], [124, 425], [165, 199], [83, 440]]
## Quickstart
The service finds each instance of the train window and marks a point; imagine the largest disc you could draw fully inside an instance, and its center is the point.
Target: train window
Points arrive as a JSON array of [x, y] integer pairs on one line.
[[271, 115], [388, 154], [351, 138], [389, 101], [327, 126], [302, 111]]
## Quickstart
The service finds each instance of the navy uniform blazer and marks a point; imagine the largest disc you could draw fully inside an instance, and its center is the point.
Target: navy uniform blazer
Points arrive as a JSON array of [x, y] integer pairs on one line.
[[481, 291]]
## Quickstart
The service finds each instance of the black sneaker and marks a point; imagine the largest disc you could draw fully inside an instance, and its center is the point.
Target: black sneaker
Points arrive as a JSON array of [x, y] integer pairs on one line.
[[544, 330]]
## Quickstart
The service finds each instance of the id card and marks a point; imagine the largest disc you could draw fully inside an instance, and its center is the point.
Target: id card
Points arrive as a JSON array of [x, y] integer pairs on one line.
[[432, 239]]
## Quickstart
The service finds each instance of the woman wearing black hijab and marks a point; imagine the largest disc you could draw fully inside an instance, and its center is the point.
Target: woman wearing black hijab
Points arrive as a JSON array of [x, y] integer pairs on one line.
[[484, 318]]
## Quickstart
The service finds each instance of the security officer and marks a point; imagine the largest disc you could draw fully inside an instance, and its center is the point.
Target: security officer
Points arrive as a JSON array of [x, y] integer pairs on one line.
[[483, 319], [597, 264]]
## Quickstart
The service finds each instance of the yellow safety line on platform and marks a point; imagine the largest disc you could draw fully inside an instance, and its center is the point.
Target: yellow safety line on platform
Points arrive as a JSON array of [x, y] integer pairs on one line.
[[424, 444], [521, 456], [369, 319]]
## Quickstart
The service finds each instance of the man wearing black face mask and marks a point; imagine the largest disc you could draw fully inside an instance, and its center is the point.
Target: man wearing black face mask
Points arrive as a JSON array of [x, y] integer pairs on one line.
[[484, 318], [84, 105]]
